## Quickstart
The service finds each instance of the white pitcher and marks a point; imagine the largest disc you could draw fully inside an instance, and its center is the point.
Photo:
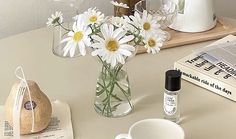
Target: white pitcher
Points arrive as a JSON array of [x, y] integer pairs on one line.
[[194, 15]]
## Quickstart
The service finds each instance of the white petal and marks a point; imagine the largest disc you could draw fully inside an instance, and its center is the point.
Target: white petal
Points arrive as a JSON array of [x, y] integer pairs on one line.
[[97, 52], [99, 13], [66, 49], [111, 30], [87, 41], [117, 32], [104, 30], [148, 50], [104, 55], [81, 26], [108, 58], [125, 52], [122, 34], [127, 47], [66, 40], [97, 38], [82, 49], [113, 61], [117, 55], [144, 15], [112, 2], [88, 31], [97, 45], [149, 17], [71, 33], [68, 45], [137, 16], [72, 51], [120, 59], [126, 39], [154, 51]]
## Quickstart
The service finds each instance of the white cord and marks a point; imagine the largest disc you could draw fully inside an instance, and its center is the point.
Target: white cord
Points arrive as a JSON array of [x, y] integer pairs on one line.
[[18, 103]]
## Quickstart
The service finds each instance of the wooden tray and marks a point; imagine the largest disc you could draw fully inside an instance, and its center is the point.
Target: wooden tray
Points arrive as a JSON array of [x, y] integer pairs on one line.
[[222, 29]]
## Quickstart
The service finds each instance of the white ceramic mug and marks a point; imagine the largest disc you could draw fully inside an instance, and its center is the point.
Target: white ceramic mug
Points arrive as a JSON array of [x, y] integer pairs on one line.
[[194, 15], [153, 129]]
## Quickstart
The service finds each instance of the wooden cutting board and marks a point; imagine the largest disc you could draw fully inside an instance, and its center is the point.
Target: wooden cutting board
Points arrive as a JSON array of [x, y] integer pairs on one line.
[[222, 29]]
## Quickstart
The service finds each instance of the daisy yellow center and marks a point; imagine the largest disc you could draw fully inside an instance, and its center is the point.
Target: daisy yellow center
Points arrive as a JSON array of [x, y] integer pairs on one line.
[[152, 43], [93, 18], [146, 26], [112, 45], [78, 36]]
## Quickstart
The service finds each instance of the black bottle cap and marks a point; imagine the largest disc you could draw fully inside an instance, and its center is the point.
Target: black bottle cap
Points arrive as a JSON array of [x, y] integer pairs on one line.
[[173, 80]]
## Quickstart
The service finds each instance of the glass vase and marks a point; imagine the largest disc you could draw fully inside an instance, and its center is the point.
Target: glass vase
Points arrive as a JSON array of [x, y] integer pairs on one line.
[[113, 96]]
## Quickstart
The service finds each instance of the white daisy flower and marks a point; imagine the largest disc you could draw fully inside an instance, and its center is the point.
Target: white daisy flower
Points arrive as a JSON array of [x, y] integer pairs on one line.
[[146, 23], [153, 42], [122, 5], [113, 47], [78, 37], [123, 22], [55, 19], [93, 16]]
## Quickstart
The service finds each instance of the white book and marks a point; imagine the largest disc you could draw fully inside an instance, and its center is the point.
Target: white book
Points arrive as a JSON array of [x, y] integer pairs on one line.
[[222, 55], [199, 71]]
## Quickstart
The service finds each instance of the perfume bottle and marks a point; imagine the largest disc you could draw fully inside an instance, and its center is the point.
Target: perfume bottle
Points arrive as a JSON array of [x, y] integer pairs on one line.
[[171, 96]]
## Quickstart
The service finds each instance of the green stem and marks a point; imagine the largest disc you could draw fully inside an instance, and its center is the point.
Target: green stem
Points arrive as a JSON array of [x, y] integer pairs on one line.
[[107, 106], [110, 74], [104, 88], [113, 74], [109, 97], [60, 24], [124, 92], [104, 64], [107, 92]]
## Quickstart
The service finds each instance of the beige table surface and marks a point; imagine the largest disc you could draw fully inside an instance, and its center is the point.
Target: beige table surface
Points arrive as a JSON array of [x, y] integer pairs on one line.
[[204, 114]]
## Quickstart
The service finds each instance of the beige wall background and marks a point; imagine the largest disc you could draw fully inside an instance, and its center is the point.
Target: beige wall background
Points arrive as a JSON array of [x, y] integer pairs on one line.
[[18, 16]]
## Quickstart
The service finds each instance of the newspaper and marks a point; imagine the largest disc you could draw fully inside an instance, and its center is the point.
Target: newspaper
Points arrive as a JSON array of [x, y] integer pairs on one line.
[[60, 126], [222, 56]]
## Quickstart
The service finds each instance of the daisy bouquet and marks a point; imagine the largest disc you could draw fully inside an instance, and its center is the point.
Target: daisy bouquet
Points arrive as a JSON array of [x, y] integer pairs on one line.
[[113, 40]]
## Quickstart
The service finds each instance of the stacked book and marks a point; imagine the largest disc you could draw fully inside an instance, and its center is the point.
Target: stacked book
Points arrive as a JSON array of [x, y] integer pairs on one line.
[[201, 72]]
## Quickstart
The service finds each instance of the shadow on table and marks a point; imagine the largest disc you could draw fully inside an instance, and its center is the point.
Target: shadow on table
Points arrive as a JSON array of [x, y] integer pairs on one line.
[[147, 101]]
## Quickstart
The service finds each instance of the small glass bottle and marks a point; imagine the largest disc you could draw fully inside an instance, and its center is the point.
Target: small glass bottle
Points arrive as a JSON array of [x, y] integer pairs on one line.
[[171, 95]]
